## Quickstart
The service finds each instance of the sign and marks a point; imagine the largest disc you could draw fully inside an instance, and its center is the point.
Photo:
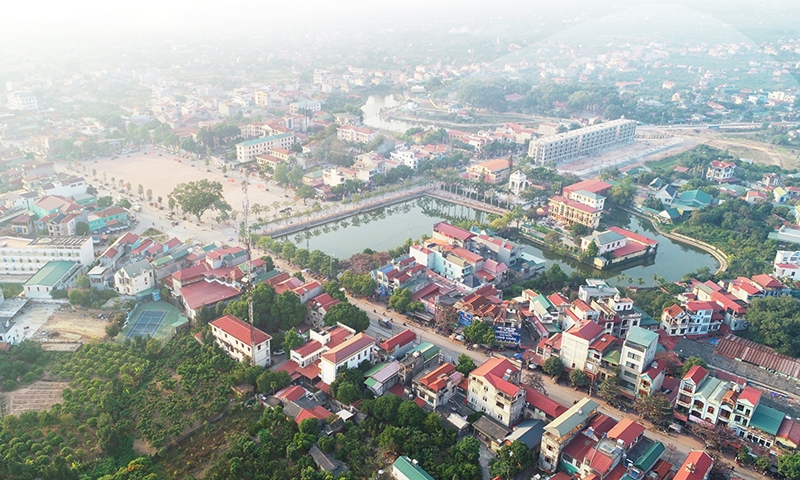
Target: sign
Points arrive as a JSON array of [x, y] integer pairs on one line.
[[507, 334], [464, 318]]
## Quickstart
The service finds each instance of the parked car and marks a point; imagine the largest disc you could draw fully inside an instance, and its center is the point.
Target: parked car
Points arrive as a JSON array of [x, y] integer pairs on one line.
[[279, 352]]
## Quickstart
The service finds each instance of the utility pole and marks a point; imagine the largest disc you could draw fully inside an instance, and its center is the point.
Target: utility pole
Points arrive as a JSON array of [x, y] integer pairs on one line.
[[247, 280]]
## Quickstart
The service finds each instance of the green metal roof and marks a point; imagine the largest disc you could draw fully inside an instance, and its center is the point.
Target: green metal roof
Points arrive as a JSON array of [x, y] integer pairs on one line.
[[640, 336], [370, 382], [613, 357], [427, 350], [650, 457], [264, 139], [576, 415], [409, 470], [647, 320], [767, 419], [51, 273], [377, 368]]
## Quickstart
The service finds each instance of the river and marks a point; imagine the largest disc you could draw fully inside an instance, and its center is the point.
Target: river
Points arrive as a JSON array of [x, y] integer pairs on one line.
[[372, 117], [389, 227]]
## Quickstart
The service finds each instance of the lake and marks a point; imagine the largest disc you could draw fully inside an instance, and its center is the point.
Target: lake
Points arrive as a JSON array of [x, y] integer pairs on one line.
[[372, 117], [389, 227]]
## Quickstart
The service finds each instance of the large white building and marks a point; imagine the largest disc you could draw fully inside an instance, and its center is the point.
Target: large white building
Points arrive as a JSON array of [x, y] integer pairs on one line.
[[349, 354], [583, 141], [240, 340], [494, 390], [249, 150], [25, 256], [353, 134], [135, 278], [22, 101], [575, 343], [638, 353]]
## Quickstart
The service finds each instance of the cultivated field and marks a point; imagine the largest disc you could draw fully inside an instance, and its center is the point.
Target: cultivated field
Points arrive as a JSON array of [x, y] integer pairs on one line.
[[37, 397]]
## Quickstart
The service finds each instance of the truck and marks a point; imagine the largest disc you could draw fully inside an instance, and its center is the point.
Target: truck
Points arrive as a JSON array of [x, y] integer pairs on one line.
[[137, 207]]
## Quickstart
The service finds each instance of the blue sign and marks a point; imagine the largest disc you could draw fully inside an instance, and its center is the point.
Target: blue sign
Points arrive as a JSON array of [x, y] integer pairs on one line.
[[464, 318], [507, 334]]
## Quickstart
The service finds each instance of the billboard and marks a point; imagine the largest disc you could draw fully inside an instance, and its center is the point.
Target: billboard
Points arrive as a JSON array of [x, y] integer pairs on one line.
[[464, 318], [507, 334]]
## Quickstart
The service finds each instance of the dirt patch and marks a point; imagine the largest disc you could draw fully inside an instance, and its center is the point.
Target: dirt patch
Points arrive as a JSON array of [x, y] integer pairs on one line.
[[74, 326], [143, 447], [37, 397]]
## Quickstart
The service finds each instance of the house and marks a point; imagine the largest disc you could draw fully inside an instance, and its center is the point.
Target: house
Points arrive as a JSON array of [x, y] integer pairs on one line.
[[563, 429], [9, 333], [59, 223], [494, 390], [242, 341], [382, 377], [667, 194], [405, 468], [204, 293], [575, 343], [349, 354], [327, 463], [56, 274], [721, 172], [697, 466], [350, 133], [490, 171], [399, 345], [108, 220], [638, 352], [438, 386], [135, 279]]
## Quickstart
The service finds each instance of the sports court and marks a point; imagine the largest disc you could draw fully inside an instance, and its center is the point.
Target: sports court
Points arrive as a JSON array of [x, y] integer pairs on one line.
[[147, 324]]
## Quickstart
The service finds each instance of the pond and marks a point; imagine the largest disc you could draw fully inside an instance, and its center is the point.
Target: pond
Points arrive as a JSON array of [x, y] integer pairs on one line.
[[389, 227], [372, 110]]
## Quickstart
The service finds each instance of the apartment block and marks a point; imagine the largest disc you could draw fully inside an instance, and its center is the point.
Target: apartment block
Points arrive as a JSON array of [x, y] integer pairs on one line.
[[568, 146], [248, 151]]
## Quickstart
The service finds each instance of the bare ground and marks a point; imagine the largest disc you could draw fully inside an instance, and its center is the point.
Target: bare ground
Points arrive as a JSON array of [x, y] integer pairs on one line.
[[37, 397], [75, 326]]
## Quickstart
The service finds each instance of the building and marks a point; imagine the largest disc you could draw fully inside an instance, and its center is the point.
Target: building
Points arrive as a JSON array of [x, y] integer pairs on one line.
[[494, 390], [350, 133], [561, 430], [405, 468], [720, 172], [697, 466], [581, 203], [247, 152], [135, 279], [575, 344], [490, 171], [787, 264], [240, 340], [348, 354], [109, 220], [56, 274], [21, 101], [21, 256], [567, 146], [518, 183], [399, 345], [638, 352], [438, 386]]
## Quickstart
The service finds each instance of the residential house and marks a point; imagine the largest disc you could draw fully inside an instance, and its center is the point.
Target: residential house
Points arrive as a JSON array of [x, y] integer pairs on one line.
[[494, 390], [697, 466], [109, 220], [438, 386], [563, 429], [575, 344], [242, 341], [383, 376], [721, 172], [135, 279], [397, 346], [638, 352], [349, 354]]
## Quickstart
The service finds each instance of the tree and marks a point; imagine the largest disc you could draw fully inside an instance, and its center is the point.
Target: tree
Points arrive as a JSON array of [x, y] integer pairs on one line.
[[553, 367], [775, 322], [717, 437], [347, 393], [657, 408], [609, 390], [81, 228], [763, 464], [305, 192], [140, 189], [105, 202], [124, 203], [358, 284], [534, 380], [578, 378], [691, 362], [465, 364], [789, 466], [269, 264], [400, 300], [112, 330], [479, 332], [292, 340], [270, 382], [511, 460], [347, 314], [587, 256], [199, 196], [149, 195]]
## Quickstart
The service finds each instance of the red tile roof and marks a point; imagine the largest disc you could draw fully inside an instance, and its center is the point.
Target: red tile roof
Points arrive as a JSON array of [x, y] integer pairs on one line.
[[626, 430], [452, 231], [207, 293], [420, 402], [696, 374], [437, 379], [492, 372], [240, 330], [318, 412], [594, 186], [348, 348], [634, 236], [628, 249], [789, 430], [401, 339], [572, 204], [308, 348], [291, 393], [767, 281], [587, 330], [696, 466], [750, 394], [697, 305], [550, 407]]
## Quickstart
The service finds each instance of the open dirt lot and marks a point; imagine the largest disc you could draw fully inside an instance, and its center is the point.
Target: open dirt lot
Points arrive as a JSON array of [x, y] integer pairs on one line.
[[38, 396], [636, 153], [77, 326], [162, 174]]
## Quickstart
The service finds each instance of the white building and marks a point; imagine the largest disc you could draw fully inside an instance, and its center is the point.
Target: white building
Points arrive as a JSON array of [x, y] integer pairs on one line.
[[583, 141], [787, 264], [494, 390], [22, 101], [240, 340], [249, 150], [25, 256], [134, 278], [438, 386], [349, 354], [518, 182], [353, 134], [575, 343], [638, 352]]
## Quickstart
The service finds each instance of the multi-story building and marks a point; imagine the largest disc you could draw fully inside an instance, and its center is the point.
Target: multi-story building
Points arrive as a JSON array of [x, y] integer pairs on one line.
[[561, 430], [787, 264], [720, 172], [696, 467], [490, 171], [494, 390], [575, 343], [248, 151], [135, 278], [638, 352], [454, 235], [353, 134], [498, 249], [438, 386], [580, 203], [596, 288], [583, 141], [349, 354], [242, 341], [23, 256], [22, 101]]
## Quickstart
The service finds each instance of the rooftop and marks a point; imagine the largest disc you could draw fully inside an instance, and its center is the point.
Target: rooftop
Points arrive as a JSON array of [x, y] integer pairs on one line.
[[51, 273], [264, 139], [348, 348], [240, 330], [574, 416]]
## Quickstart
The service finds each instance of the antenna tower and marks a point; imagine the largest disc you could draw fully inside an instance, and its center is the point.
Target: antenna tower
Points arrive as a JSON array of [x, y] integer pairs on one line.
[[247, 280]]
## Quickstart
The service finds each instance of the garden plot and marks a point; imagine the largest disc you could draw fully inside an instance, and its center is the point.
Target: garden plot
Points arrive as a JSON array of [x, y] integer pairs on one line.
[[37, 397]]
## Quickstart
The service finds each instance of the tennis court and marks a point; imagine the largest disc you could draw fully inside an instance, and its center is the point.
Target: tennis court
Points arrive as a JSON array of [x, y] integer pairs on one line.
[[147, 324]]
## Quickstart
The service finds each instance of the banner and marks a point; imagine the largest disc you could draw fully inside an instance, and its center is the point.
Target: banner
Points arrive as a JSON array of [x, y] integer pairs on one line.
[[507, 334], [464, 318]]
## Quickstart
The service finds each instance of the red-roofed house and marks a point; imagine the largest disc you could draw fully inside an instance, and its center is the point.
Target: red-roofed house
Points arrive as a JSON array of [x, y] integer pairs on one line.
[[539, 405], [205, 293], [721, 172], [349, 353], [453, 235], [494, 390], [438, 386], [690, 383], [627, 431], [696, 467], [291, 393], [319, 306], [789, 433], [398, 345], [575, 343], [241, 341]]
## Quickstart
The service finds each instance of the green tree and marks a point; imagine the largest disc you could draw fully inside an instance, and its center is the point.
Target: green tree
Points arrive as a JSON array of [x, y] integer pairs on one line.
[[292, 340], [400, 301], [691, 362], [288, 250], [657, 408], [112, 330], [305, 192], [553, 367], [269, 264], [789, 466], [124, 203], [149, 195], [478, 332], [105, 202], [270, 382], [763, 464], [587, 256], [197, 197], [347, 393], [347, 314], [578, 378], [465, 364], [511, 460]]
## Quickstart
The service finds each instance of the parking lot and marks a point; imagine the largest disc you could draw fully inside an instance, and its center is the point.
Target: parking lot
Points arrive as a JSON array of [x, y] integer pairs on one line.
[[34, 316]]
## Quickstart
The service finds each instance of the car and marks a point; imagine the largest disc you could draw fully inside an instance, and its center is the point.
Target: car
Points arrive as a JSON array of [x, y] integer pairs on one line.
[[279, 352], [460, 338], [230, 239]]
